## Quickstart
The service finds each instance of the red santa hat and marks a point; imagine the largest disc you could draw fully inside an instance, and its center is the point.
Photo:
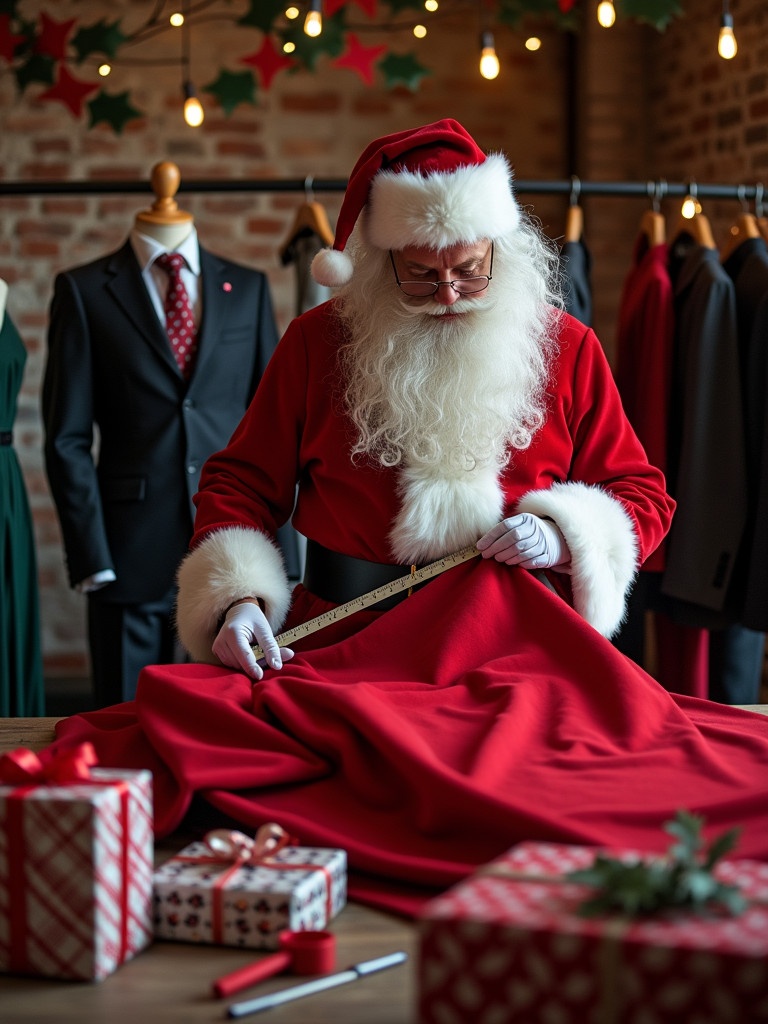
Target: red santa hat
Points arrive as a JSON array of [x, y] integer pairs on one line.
[[431, 186]]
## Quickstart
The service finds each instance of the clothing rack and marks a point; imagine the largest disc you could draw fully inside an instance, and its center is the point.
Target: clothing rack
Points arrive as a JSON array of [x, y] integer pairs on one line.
[[573, 187]]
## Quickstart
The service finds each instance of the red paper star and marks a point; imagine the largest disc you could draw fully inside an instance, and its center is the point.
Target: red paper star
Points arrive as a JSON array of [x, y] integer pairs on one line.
[[268, 61], [70, 91], [359, 58], [367, 6], [8, 41], [52, 38]]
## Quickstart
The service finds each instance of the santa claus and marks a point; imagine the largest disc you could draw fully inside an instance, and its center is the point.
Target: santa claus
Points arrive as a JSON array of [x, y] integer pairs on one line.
[[441, 398]]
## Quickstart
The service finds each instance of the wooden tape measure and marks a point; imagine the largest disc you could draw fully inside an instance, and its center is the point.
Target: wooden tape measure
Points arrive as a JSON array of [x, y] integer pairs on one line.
[[372, 597]]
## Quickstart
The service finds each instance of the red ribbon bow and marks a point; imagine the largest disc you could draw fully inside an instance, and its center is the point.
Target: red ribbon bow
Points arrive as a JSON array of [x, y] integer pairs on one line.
[[238, 848], [23, 767]]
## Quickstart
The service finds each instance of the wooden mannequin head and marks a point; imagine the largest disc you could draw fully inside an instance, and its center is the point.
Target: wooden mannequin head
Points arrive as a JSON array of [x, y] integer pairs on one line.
[[164, 221]]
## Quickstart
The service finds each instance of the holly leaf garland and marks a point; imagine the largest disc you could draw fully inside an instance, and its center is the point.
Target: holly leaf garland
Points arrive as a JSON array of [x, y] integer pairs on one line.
[[114, 110], [404, 70], [232, 88]]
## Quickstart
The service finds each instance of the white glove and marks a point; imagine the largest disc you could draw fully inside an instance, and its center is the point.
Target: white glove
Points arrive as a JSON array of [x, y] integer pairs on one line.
[[527, 541], [246, 624]]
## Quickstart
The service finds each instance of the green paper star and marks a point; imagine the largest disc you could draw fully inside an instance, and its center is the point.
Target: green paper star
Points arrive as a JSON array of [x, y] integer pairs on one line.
[[232, 88], [658, 13], [262, 14], [115, 110], [512, 12], [403, 70], [99, 38], [37, 69]]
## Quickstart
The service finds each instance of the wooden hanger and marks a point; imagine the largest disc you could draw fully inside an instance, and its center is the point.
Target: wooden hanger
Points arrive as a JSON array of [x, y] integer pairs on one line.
[[574, 218], [744, 227], [310, 216], [165, 210], [654, 227]]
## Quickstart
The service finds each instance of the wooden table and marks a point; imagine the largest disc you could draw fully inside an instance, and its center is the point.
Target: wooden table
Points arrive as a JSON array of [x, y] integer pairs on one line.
[[171, 981]]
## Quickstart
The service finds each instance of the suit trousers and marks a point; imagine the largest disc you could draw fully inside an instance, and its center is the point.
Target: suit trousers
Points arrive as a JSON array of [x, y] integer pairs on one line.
[[124, 639]]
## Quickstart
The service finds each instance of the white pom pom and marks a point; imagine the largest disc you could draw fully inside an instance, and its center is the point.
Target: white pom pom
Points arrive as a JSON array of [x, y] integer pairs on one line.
[[332, 268]]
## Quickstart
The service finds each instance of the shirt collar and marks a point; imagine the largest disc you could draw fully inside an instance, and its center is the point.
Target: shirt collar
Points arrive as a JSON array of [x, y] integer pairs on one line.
[[148, 249]]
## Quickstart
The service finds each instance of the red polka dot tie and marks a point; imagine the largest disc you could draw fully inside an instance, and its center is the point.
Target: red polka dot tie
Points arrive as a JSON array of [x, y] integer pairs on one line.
[[179, 321]]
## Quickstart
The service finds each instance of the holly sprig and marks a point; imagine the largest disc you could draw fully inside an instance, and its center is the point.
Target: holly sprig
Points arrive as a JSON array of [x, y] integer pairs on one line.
[[681, 879]]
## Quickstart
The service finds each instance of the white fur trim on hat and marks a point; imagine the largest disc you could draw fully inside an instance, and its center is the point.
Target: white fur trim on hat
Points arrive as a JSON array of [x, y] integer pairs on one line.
[[443, 512], [227, 565], [441, 209], [601, 537]]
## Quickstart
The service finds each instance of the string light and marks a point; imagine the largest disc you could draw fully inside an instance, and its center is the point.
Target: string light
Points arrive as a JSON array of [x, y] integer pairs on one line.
[[533, 43], [726, 41], [691, 207], [177, 19], [489, 62], [194, 114], [292, 13], [104, 70], [419, 31], [313, 23], [606, 13], [431, 6]]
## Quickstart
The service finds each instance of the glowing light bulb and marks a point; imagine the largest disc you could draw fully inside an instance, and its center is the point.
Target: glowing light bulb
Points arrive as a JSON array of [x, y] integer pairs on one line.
[[431, 6], [177, 19], [691, 206], [489, 62], [606, 13], [289, 47], [104, 70], [727, 46], [533, 43], [291, 13], [419, 31], [313, 23], [194, 114]]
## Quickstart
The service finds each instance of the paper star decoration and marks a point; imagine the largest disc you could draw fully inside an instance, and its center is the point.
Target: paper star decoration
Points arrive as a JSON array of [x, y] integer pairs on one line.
[[268, 61], [102, 37], [403, 70], [8, 41], [359, 58], [262, 13], [37, 69], [69, 90], [115, 111], [52, 38], [232, 88]]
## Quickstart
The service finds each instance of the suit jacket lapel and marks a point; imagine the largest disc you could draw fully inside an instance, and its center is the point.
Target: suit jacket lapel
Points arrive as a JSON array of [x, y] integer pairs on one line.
[[215, 295], [127, 288]]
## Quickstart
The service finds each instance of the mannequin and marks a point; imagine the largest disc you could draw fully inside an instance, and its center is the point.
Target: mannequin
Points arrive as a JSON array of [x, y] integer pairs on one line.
[[21, 665], [164, 221], [126, 508]]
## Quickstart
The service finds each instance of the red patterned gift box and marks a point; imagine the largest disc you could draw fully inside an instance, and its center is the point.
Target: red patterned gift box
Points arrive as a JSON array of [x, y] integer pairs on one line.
[[76, 851], [508, 944], [232, 890]]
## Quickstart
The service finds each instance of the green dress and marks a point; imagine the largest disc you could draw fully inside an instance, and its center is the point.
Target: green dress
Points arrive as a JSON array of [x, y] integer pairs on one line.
[[22, 690]]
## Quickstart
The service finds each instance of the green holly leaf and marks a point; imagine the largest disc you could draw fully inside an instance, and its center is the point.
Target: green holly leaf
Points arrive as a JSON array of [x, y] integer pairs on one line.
[[658, 13], [9, 7], [682, 879], [513, 12], [103, 37], [262, 14], [38, 69], [403, 69], [114, 110], [232, 88]]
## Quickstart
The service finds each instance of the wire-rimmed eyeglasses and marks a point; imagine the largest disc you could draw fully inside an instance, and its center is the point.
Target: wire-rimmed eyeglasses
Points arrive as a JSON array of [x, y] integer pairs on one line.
[[462, 285]]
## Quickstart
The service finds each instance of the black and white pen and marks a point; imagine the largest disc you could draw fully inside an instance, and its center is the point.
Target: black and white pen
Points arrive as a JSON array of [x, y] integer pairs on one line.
[[308, 988]]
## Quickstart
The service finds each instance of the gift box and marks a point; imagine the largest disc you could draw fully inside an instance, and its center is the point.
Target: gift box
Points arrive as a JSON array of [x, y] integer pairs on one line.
[[76, 859], [509, 944], [236, 892]]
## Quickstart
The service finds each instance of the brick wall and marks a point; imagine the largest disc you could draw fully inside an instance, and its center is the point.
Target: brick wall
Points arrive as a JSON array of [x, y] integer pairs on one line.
[[645, 105]]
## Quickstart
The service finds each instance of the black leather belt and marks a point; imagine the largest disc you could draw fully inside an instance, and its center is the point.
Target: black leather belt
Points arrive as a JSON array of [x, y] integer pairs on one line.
[[6, 438], [341, 578]]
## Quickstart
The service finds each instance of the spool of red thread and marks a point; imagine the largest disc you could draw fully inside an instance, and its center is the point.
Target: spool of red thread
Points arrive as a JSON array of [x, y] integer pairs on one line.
[[308, 952]]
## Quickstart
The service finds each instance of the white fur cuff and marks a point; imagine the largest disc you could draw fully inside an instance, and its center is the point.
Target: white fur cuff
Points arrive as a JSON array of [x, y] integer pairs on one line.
[[601, 537], [229, 564]]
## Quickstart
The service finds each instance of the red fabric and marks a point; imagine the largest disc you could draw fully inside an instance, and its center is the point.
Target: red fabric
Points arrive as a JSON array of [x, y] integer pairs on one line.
[[479, 712]]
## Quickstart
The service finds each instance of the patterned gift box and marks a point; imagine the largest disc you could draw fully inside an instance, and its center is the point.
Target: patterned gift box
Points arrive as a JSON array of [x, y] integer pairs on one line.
[[76, 858], [508, 944], [239, 895]]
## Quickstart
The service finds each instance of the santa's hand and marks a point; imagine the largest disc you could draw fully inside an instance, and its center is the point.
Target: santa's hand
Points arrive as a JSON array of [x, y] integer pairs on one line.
[[246, 625], [527, 541]]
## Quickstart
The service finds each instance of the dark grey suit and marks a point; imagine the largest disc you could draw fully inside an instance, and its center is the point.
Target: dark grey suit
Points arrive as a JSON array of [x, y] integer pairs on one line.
[[129, 506]]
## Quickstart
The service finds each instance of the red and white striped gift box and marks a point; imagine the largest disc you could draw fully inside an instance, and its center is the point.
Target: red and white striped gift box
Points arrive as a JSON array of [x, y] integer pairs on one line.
[[76, 861]]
